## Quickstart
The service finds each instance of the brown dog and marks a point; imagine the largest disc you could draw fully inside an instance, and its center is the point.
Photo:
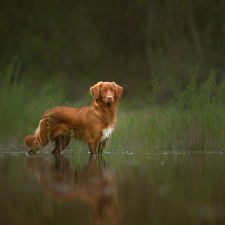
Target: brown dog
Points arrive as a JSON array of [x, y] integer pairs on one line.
[[93, 124]]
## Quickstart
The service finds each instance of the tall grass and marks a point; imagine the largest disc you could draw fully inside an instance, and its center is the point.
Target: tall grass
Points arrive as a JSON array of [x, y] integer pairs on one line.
[[192, 120], [20, 111]]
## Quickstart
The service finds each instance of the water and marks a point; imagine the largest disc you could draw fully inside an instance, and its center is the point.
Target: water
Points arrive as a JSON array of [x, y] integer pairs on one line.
[[123, 188]]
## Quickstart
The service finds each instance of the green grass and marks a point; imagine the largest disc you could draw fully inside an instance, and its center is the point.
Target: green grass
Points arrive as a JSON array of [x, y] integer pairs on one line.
[[193, 119], [20, 110]]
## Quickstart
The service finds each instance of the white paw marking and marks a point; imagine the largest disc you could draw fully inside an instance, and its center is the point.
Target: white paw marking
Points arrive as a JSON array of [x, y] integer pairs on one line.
[[106, 133]]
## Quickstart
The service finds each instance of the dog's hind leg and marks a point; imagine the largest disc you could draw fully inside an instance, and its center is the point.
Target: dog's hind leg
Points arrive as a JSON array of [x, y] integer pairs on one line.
[[61, 142]]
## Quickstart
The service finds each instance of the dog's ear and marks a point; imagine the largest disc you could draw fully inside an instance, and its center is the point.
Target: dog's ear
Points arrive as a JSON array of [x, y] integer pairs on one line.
[[119, 91], [95, 90]]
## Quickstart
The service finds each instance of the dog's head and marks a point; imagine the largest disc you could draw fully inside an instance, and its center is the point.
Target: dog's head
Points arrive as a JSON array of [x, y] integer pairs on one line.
[[107, 91]]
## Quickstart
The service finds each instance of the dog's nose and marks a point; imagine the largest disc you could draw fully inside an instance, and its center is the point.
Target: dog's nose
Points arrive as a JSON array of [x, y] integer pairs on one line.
[[109, 97]]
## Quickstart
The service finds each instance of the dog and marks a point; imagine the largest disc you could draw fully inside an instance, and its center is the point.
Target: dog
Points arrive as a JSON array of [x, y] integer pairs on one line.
[[92, 125]]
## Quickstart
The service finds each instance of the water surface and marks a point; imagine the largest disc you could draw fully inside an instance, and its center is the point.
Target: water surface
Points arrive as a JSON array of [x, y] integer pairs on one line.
[[118, 188]]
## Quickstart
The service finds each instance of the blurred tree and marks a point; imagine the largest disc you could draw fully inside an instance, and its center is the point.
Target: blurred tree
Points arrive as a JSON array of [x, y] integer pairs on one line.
[[79, 42]]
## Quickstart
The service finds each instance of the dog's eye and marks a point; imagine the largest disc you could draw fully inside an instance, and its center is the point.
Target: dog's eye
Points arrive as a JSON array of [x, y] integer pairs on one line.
[[112, 90], [103, 89]]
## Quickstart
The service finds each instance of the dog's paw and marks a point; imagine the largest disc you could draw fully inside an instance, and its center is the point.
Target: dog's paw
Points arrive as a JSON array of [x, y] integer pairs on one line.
[[31, 152]]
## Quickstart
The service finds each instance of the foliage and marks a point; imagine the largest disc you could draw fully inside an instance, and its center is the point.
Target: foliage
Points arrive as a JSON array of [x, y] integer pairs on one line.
[[123, 136], [192, 120], [79, 43], [20, 112]]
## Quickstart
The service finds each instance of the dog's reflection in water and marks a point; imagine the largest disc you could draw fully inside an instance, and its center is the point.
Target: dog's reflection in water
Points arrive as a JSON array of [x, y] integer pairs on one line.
[[93, 182]]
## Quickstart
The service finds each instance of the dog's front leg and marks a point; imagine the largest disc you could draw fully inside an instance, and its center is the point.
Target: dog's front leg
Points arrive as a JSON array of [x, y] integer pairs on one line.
[[91, 147], [101, 147], [96, 147]]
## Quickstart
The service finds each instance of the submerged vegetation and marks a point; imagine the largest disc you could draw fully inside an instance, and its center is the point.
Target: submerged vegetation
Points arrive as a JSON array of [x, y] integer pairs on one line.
[[193, 119]]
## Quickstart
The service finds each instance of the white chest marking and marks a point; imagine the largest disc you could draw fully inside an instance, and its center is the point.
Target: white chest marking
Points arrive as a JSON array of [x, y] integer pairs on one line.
[[106, 133]]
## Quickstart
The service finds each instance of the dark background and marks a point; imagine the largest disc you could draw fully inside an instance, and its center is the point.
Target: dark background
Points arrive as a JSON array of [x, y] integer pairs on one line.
[[76, 43]]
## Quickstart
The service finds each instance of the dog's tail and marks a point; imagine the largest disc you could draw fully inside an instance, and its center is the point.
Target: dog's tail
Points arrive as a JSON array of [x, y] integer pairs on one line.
[[29, 140]]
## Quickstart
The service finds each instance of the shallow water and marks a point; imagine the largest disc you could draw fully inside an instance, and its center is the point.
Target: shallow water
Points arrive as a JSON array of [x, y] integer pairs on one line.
[[123, 188]]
